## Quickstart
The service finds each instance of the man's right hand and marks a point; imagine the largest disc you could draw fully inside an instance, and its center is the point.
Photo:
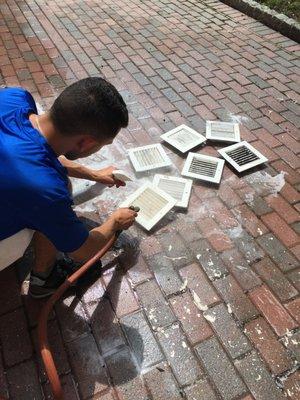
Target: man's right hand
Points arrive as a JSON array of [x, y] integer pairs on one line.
[[123, 218], [120, 219]]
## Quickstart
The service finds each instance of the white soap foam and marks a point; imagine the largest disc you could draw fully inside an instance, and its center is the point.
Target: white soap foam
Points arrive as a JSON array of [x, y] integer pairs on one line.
[[238, 118], [263, 181]]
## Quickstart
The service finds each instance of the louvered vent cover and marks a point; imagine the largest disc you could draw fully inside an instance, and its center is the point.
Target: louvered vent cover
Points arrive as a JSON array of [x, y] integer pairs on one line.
[[148, 157], [242, 156], [203, 167], [222, 131], [178, 188], [154, 204], [183, 138]]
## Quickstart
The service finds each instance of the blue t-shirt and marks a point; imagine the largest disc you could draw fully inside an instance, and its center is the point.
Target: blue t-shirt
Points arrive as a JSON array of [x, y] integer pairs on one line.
[[33, 183]]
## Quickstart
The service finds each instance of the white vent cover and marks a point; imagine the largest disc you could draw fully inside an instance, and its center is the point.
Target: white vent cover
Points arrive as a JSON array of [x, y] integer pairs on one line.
[[223, 131], [242, 156], [154, 204], [183, 138], [178, 188], [149, 157], [203, 167]]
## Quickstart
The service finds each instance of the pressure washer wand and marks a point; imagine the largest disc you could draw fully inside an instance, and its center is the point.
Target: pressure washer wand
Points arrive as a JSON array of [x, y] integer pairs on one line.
[[133, 208]]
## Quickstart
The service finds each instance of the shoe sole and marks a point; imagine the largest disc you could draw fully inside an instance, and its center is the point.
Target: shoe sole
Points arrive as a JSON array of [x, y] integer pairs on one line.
[[41, 295]]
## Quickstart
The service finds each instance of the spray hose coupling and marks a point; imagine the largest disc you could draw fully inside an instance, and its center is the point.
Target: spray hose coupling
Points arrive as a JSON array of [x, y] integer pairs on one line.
[[133, 208]]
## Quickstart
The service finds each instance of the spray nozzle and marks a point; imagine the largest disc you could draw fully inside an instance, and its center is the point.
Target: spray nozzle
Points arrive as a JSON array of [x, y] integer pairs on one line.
[[134, 208]]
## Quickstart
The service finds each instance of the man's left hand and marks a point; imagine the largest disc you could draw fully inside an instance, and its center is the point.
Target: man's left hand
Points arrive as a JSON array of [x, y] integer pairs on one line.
[[106, 177]]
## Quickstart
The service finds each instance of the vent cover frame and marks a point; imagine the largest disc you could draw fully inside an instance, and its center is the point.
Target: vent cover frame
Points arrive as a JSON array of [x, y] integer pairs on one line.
[[146, 223], [240, 168], [186, 193], [199, 139], [224, 138], [166, 162], [204, 158]]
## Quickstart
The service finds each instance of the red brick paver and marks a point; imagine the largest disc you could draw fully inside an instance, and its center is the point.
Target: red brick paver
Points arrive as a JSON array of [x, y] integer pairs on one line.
[[209, 308]]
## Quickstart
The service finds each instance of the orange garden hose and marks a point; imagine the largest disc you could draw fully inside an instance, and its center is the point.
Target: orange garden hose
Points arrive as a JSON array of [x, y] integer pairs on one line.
[[46, 354], [42, 324], [43, 319]]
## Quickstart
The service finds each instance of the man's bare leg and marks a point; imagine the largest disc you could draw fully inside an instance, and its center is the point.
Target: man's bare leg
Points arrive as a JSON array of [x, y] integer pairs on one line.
[[45, 277], [45, 254]]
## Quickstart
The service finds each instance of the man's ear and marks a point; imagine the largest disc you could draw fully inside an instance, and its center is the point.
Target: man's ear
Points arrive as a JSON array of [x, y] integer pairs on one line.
[[86, 142]]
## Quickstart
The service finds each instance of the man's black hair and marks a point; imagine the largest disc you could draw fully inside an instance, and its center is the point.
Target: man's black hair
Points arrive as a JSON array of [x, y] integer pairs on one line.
[[90, 106]]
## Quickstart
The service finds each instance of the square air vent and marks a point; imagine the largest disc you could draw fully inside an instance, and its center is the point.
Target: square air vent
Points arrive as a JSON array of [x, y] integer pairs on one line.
[[242, 156], [222, 131], [149, 157], [183, 138], [206, 168], [178, 188], [154, 204]]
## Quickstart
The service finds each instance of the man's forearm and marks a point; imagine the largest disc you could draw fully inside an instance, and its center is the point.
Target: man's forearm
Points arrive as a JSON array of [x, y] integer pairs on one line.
[[77, 170], [120, 219], [98, 237]]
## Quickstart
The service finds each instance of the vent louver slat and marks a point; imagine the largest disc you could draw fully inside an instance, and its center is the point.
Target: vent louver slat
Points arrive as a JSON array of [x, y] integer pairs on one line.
[[148, 157], [242, 156], [172, 189], [203, 167], [220, 134], [153, 203], [150, 203], [222, 131], [178, 188], [183, 138]]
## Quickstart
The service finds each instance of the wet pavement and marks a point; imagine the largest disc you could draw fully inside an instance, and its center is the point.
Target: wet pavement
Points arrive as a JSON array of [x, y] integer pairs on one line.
[[206, 306]]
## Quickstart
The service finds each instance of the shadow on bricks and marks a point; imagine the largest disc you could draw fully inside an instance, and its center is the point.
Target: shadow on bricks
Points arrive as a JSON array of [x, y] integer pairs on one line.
[[97, 343], [109, 334]]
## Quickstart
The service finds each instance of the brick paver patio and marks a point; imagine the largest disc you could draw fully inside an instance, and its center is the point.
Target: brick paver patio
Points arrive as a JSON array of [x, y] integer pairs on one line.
[[209, 306]]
